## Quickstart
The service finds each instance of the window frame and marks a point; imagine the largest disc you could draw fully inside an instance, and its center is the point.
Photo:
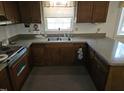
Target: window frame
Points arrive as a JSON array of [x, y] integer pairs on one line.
[[120, 23]]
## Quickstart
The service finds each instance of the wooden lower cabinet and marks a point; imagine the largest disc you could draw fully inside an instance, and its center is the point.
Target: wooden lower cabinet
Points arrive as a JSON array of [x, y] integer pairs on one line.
[[37, 52], [55, 53], [97, 70], [115, 79], [4, 80], [67, 54], [52, 54], [104, 76]]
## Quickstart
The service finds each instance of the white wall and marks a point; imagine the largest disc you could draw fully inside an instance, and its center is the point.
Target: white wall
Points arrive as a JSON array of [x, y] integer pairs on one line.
[[2, 33], [110, 27]]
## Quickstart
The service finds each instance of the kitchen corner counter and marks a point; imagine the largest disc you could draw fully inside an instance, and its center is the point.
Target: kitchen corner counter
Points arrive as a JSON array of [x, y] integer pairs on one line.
[[109, 49]]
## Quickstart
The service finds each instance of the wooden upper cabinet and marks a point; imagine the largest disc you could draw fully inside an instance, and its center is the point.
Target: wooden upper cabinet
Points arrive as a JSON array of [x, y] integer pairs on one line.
[[92, 11], [1, 8], [25, 11], [84, 11], [35, 12], [100, 10], [11, 11], [30, 11]]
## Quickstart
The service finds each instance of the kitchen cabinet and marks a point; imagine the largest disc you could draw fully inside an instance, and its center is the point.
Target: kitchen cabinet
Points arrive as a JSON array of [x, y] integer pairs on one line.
[[115, 80], [52, 54], [92, 11], [98, 69], [30, 11], [67, 54], [4, 80], [11, 11], [19, 72], [100, 74], [37, 54], [55, 53], [105, 76], [84, 11], [2, 12], [100, 10]]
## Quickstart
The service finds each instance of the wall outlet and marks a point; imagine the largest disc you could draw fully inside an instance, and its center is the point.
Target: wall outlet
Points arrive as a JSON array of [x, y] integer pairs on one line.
[[98, 29], [76, 28]]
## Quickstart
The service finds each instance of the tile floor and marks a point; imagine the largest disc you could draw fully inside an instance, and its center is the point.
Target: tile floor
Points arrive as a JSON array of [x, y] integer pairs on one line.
[[59, 78]]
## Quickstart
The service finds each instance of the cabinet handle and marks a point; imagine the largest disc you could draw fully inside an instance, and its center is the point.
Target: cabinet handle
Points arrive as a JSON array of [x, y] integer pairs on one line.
[[21, 70], [3, 89]]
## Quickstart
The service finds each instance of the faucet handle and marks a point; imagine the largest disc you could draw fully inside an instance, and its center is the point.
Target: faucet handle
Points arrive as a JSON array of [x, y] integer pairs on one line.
[[59, 28]]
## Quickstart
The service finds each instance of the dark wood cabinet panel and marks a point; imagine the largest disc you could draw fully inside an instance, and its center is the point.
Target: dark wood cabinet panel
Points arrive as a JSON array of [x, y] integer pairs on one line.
[[52, 54], [100, 74], [11, 11], [55, 53], [97, 69], [4, 80], [92, 11], [35, 12], [84, 11], [30, 11], [25, 11], [100, 10], [37, 54], [2, 12], [115, 80], [67, 54]]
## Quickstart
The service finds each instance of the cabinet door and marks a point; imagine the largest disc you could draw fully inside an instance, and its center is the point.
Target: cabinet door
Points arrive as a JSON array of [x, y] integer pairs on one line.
[[1, 8], [4, 80], [100, 74], [11, 11], [37, 54], [30, 11], [84, 11], [52, 54], [90, 63], [25, 11], [35, 12], [67, 54], [100, 10], [98, 70]]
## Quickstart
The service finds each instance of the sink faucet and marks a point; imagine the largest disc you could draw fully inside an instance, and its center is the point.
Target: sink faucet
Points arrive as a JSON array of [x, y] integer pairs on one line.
[[59, 35]]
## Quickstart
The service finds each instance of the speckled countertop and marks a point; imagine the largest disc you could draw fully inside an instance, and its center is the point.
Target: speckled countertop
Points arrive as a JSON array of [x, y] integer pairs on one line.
[[112, 51]]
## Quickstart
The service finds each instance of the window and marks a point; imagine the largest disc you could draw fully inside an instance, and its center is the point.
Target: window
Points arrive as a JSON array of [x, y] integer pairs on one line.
[[119, 50], [121, 24], [58, 24], [58, 16]]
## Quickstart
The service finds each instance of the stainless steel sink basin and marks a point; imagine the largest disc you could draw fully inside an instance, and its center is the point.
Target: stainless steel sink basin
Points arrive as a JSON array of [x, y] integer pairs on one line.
[[59, 39]]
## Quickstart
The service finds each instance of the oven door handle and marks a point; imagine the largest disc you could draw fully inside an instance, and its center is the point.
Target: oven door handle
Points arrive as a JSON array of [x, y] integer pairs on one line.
[[21, 70]]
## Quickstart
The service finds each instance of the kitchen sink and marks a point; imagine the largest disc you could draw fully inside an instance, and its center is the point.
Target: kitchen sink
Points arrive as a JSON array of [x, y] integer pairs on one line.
[[59, 38]]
